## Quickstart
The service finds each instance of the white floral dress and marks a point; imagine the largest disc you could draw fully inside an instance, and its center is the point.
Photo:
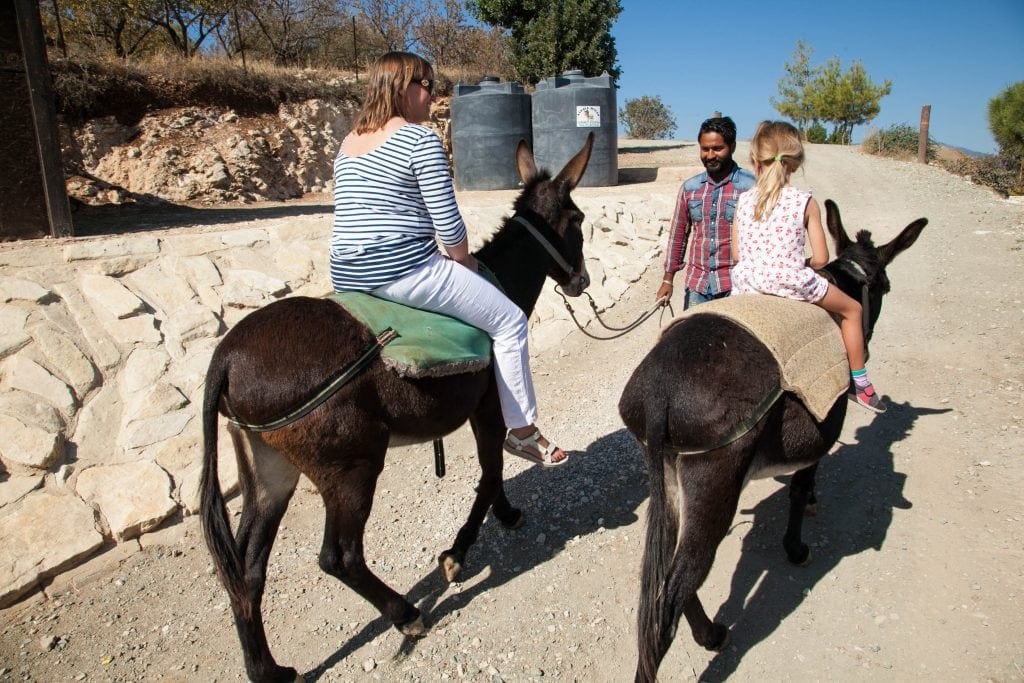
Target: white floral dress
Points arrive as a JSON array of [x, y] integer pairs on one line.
[[771, 251]]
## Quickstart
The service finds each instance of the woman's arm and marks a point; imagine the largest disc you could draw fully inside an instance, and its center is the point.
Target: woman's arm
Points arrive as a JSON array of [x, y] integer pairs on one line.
[[816, 235]]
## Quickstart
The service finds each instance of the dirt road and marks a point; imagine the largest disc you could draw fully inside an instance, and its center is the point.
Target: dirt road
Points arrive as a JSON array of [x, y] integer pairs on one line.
[[918, 547]]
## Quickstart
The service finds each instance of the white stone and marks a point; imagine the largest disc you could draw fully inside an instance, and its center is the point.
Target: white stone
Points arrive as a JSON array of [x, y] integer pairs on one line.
[[146, 431], [132, 497], [106, 248], [18, 289], [189, 323], [203, 276], [27, 375], [107, 295], [12, 342], [42, 535], [27, 445], [138, 329], [103, 350], [97, 427], [65, 359], [17, 486], [31, 409], [244, 238], [158, 399], [142, 370], [163, 290]]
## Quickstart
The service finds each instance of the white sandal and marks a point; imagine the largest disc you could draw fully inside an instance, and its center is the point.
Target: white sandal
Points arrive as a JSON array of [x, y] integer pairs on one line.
[[522, 448]]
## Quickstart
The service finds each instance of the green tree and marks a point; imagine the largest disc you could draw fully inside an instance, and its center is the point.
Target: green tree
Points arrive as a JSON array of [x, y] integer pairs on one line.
[[1006, 121], [647, 118], [845, 98], [548, 37], [794, 101]]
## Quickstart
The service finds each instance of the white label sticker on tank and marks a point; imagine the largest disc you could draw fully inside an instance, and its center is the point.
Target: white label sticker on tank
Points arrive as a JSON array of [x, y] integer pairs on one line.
[[588, 116]]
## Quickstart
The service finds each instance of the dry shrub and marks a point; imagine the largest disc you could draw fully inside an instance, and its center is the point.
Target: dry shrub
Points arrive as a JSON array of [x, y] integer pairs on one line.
[[90, 89]]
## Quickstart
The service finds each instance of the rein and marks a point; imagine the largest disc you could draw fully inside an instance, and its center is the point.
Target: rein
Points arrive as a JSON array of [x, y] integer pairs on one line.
[[619, 331], [328, 389]]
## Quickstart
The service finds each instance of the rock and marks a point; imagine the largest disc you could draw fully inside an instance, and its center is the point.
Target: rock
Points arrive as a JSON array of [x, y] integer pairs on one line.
[[108, 296], [106, 248], [144, 432], [45, 534], [24, 374], [65, 359], [17, 289], [161, 288], [15, 487], [133, 497], [142, 370], [27, 445], [103, 350]]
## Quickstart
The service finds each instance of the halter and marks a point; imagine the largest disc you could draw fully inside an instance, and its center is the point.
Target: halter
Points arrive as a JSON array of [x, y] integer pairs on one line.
[[548, 247]]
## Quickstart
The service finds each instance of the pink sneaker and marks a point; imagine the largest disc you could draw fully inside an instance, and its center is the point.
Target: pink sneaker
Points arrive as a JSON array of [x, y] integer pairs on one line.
[[867, 398]]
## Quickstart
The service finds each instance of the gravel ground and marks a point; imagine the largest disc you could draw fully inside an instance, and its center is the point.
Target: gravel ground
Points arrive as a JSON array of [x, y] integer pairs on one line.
[[918, 547]]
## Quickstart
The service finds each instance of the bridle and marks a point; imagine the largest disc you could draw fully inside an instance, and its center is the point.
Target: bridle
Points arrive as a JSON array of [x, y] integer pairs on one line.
[[859, 275], [576, 276]]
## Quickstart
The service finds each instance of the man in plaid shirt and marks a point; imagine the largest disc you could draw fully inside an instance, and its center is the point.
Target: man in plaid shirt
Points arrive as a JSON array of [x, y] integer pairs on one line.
[[705, 208]]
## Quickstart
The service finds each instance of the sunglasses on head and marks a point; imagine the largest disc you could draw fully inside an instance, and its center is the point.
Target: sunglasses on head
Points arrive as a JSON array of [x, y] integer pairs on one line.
[[427, 83]]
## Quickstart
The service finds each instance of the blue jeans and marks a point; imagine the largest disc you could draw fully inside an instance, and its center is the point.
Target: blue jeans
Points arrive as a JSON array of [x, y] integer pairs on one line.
[[693, 298]]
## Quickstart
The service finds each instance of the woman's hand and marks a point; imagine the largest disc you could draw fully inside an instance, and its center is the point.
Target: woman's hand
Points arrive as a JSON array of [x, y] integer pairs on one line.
[[460, 254]]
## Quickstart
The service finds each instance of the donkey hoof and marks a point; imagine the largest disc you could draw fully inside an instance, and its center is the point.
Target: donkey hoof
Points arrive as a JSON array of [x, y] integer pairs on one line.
[[514, 520], [414, 629], [450, 566], [719, 638], [801, 557]]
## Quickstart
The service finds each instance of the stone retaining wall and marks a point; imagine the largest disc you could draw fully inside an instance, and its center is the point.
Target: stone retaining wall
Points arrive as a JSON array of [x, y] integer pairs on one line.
[[104, 345]]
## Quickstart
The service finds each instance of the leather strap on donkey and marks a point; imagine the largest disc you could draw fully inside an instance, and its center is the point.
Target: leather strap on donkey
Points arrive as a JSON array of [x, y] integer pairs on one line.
[[325, 391]]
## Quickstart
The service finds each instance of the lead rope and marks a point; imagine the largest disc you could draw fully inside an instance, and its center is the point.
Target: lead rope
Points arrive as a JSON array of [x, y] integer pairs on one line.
[[620, 331]]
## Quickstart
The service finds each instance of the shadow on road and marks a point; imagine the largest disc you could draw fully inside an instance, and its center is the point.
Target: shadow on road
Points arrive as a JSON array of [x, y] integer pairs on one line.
[[158, 214], [609, 475], [858, 488]]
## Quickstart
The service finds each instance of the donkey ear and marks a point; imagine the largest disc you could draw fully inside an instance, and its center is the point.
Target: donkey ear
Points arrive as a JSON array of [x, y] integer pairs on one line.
[[524, 161], [902, 241], [573, 171], [835, 226]]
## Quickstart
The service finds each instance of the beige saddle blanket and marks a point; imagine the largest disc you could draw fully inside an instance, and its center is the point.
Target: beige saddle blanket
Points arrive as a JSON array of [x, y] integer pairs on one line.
[[803, 337]]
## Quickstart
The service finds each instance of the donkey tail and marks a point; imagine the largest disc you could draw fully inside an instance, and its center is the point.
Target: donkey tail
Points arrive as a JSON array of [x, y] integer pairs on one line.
[[213, 513], [654, 627]]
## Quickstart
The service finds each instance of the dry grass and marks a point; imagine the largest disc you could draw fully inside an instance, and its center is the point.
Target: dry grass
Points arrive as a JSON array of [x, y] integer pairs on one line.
[[94, 88]]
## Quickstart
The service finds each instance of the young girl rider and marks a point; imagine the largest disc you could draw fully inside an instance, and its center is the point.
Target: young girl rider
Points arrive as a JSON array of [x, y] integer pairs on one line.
[[768, 246]]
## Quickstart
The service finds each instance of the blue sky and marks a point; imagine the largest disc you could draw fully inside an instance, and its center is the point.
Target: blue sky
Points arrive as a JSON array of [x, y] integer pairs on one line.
[[703, 57]]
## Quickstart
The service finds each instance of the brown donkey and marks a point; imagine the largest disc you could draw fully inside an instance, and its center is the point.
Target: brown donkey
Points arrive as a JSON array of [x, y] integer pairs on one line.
[[719, 373], [278, 357]]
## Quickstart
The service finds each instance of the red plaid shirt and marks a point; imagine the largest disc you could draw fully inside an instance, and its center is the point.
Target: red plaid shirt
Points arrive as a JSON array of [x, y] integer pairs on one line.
[[706, 209]]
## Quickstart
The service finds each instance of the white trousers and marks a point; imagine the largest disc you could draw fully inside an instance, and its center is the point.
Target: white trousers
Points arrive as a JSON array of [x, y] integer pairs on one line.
[[444, 286]]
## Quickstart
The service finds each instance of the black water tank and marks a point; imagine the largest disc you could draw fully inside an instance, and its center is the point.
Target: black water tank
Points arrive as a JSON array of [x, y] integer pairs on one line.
[[488, 121], [565, 109]]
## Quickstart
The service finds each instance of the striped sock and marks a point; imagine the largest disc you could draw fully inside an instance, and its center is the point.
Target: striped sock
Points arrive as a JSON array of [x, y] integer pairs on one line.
[[860, 378]]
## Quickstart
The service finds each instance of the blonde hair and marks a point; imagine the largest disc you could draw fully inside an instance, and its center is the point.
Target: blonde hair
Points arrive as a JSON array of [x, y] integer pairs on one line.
[[386, 82], [776, 146]]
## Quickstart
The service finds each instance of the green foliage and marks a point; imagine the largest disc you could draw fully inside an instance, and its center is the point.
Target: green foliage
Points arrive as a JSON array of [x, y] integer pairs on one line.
[[647, 118], [828, 94], [817, 133], [794, 94], [899, 141], [548, 37], [1006, 121]]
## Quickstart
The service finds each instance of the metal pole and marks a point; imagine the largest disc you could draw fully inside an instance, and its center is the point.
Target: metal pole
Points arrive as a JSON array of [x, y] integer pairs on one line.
[[922, 136]]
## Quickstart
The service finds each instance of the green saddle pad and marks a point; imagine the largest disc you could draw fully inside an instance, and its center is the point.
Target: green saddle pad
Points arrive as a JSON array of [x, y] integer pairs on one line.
[[428, 345]]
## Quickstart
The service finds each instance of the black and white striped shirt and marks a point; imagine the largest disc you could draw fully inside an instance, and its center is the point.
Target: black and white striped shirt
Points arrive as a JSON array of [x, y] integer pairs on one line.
[[388, 206]]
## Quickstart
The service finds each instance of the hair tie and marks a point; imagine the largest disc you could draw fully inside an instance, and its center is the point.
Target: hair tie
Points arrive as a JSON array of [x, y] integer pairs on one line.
[[778, 157]]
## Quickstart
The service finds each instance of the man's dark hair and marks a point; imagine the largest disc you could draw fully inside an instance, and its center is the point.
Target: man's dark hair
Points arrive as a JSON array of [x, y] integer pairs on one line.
[[722, 125]]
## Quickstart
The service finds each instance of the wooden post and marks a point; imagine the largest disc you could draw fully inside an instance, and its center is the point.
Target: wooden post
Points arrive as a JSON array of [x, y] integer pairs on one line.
[[33, 197], [922, 136]]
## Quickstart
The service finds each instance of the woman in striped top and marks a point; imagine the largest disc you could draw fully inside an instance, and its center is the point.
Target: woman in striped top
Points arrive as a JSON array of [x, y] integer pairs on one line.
[[393, 196]]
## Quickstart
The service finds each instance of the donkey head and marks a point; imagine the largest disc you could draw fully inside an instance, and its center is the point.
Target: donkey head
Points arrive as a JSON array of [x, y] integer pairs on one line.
[[545, 204], [859, 266]]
